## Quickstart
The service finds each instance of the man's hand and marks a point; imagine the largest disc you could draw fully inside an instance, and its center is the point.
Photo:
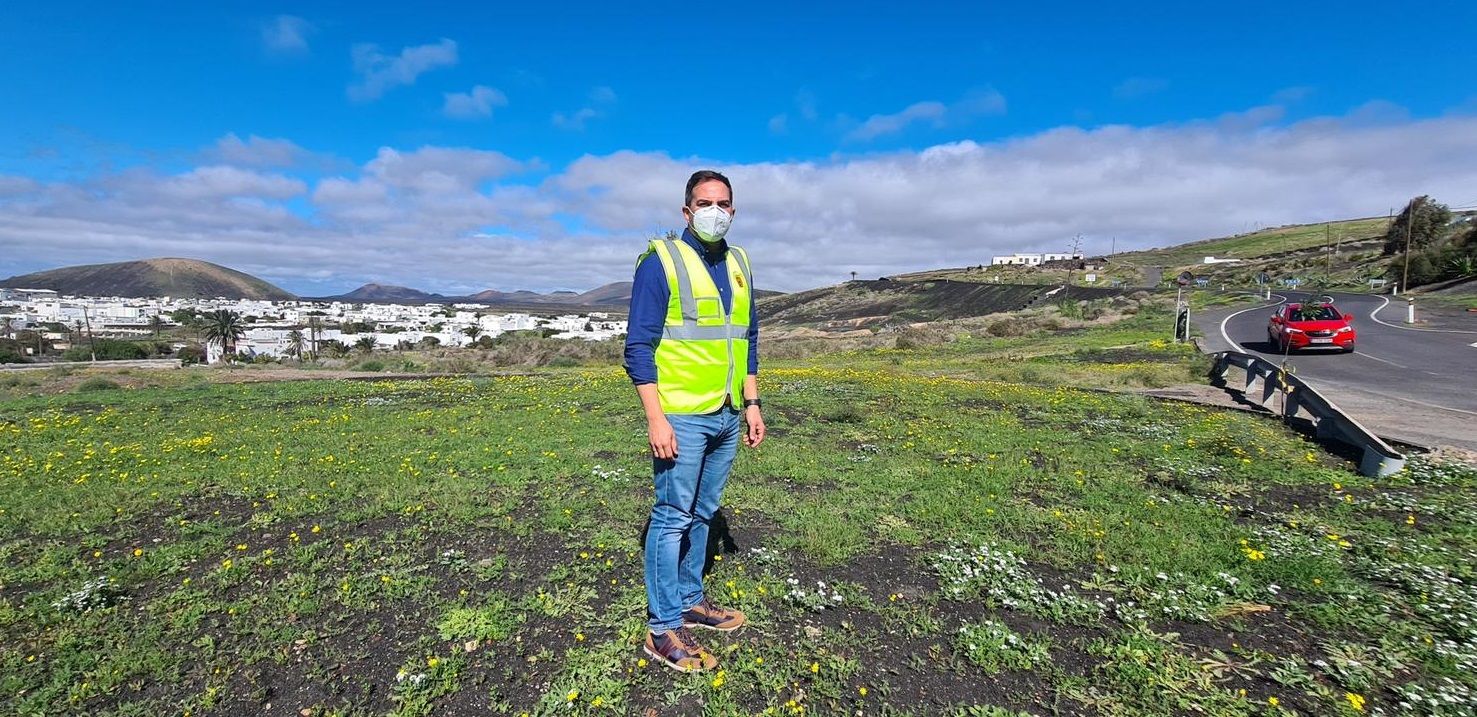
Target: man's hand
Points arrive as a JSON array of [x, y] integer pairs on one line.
[[663, 440], [755, 433]]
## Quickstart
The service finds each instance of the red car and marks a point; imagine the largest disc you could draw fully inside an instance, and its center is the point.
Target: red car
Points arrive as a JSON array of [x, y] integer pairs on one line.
[[1310, 326]]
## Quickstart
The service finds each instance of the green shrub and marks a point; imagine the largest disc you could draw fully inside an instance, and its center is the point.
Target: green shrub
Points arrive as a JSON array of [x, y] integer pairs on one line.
[[494, 621], [1007, 328], [107, 350], [191, 354], [563, 362], [917, 337], [371, 365], [96, 383]]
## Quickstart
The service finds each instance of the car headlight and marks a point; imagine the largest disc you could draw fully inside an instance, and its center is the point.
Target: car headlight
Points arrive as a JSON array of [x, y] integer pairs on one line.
[[1345, 329], [1291, 330]]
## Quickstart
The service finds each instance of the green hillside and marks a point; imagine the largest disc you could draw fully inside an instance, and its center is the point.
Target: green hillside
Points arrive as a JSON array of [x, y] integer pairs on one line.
[[1264, 243]]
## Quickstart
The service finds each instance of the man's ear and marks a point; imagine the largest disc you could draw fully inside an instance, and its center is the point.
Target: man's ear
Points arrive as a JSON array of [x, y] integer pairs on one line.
[[687, 214]]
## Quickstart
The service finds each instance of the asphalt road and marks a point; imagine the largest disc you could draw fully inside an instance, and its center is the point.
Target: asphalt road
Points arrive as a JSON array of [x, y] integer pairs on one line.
[[1417, 384]]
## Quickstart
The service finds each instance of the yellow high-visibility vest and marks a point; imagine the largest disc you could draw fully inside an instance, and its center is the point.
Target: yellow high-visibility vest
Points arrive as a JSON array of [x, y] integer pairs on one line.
[[703, 354]]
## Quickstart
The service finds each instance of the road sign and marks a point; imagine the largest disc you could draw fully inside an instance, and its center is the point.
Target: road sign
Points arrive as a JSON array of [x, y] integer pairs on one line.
[[1263, 278], [1184, 278]]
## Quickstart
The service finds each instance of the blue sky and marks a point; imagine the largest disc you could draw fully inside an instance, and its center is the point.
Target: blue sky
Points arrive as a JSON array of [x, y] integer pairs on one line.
[[145, 128]]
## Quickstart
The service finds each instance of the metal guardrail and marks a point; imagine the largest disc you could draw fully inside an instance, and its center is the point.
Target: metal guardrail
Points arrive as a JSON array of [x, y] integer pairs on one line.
[[1379, 459], [132, 363]]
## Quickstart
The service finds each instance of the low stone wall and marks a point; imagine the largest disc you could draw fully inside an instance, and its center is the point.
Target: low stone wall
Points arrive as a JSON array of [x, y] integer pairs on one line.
[[140, 363]]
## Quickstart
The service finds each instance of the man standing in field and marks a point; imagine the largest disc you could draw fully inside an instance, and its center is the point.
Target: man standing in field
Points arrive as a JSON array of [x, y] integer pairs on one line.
[[692, 351]]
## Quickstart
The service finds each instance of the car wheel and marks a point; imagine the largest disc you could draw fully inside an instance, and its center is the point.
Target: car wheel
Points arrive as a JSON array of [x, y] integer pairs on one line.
[[1349, 349]]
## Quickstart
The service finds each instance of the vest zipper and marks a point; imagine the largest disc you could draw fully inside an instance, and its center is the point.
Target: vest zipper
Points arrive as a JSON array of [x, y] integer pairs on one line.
[[728, 335]]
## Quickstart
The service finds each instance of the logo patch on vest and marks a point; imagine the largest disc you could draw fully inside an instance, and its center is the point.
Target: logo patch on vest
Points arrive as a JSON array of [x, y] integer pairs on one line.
[[739, 279]]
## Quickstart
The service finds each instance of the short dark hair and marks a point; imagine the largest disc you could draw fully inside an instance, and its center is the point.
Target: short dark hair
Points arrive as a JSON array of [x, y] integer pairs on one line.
[[704, 175]]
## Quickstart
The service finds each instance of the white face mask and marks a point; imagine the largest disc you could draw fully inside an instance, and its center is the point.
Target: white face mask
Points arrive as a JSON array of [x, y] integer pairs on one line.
[[710, 223]]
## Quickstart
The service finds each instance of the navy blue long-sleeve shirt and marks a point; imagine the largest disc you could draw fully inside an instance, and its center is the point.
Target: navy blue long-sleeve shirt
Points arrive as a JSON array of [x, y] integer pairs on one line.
[[649, 297]]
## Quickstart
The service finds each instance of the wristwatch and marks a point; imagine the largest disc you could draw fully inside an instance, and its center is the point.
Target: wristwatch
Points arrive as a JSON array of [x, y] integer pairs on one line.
[[753, 402]]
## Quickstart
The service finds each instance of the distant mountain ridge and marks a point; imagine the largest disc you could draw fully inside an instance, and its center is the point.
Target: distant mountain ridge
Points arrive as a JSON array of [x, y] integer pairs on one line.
[[194, 278], [614, 294], [165, 276]]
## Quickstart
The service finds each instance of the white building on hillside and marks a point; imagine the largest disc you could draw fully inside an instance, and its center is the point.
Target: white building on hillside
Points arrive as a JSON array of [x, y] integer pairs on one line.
[[1016, 260], [1019, 259]]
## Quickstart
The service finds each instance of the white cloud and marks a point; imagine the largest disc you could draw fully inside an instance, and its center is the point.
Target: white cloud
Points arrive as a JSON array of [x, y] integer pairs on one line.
[[11, 185], [379, 72], [878, 125], [975, 104], [1136, 87], [440, 217], [224, 181], [473, 104], [1292, 95], [432, 168], [257, 151], [806, 103], [575, 121], [287, 34]]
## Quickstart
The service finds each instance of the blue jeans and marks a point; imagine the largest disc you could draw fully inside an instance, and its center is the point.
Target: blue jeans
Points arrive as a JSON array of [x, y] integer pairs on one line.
[[688, 492]]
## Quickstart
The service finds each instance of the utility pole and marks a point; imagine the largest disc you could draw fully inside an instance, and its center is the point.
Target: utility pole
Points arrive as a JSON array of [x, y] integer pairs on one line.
[[91, 345]]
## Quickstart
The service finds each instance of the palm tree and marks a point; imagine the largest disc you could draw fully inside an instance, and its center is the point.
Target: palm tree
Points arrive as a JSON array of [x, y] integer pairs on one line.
[[295, 344], [365, 344], [224, 327], [313, 328], [156, 325], [473, 332]]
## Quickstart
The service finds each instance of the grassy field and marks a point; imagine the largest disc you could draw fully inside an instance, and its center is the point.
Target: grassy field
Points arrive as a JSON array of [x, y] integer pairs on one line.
[[913, 538], [1260, 243]]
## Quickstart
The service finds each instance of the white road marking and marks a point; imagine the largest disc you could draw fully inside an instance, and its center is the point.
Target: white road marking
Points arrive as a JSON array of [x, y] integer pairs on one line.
[[1394, 397], [1280, 300], [1386, 300], [1368, 355]]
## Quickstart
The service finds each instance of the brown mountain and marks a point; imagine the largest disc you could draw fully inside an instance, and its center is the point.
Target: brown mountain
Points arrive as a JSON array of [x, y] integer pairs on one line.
[[614, 294], [151, 277], [390, 293]]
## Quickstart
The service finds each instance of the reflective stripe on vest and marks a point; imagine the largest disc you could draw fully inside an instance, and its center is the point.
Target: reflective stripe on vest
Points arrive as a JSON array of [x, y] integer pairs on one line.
[[703, 346]]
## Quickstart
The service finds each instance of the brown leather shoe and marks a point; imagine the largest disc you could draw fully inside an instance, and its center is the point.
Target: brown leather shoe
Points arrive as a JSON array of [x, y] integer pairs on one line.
[[709, 616], [679, 650]]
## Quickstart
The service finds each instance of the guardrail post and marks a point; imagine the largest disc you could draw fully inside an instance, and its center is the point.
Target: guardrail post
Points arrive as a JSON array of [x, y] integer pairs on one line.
[[1378, 459]]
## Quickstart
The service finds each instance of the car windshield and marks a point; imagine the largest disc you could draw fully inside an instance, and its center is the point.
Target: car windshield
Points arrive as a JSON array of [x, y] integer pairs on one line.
[[1315, 313]]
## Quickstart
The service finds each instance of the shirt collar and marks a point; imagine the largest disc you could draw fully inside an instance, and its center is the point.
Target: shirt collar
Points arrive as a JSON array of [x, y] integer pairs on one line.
[[710, 252]]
